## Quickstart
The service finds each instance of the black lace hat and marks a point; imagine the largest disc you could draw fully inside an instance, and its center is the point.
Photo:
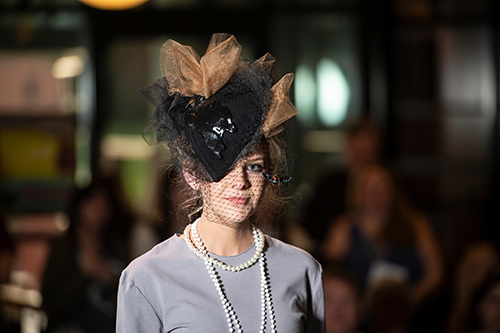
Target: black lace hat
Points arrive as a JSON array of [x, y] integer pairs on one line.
[[216, 108]]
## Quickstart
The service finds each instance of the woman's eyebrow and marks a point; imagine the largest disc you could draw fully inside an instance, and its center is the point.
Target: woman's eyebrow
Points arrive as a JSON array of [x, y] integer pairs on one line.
[[256, 158]]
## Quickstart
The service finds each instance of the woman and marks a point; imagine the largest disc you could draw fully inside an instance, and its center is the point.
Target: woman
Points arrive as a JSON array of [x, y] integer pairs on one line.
[[7, 251], [222, 119], [83, 268], [485, 307], [382, 238], [344, 301], [480, 262]]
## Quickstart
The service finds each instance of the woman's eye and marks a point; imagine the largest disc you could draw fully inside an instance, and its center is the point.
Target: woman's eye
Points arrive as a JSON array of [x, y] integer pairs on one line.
[[256, 167]]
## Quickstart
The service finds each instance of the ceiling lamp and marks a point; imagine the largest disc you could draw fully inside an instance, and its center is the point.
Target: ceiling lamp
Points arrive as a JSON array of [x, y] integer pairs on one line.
[[113, 4], [305, 94], [333, 93]]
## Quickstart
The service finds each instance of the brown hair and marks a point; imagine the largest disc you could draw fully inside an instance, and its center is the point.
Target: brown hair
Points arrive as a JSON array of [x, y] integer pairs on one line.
[[363, 125], [479, 263], [400, 228]]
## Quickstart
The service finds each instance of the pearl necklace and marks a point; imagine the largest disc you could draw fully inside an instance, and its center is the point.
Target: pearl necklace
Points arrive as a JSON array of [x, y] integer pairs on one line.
[[266, 300], [201, 252]]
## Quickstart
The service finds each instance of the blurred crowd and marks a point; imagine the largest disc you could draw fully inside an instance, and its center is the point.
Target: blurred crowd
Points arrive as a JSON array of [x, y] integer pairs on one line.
[[383, 264]]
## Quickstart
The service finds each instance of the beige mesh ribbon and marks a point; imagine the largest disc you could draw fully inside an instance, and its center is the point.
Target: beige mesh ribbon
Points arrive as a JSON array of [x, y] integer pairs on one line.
[[188, 74], [281, 108]]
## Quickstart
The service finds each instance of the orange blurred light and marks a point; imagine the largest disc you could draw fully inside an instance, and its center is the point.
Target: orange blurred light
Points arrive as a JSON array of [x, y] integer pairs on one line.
[[113, 4]]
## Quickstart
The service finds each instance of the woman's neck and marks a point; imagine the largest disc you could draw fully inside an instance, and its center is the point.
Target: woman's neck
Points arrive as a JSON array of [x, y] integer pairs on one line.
[[225, 240], [372, 225]]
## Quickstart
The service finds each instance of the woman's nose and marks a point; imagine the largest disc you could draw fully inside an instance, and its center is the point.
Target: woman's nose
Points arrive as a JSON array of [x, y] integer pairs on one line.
[[240, 178]]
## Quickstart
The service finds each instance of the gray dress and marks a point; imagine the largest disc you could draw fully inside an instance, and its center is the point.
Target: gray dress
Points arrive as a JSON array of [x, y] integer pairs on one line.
[[168, 289]]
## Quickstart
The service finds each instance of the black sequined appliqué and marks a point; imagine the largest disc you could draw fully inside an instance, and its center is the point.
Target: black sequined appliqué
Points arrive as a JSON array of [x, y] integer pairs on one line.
[[211, 120]]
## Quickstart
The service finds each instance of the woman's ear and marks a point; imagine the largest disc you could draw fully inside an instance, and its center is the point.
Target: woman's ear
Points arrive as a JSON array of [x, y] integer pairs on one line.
[[190, 179]]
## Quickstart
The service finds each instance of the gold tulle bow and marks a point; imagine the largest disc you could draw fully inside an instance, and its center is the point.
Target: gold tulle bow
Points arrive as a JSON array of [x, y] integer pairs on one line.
[[189, 74], [281, 108]]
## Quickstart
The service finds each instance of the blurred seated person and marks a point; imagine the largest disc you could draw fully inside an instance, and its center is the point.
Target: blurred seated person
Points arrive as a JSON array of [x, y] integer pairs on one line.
[[343, 300], [158, 219], [485, 309], [329, 201], [480, 261], [6, 252], [80, 283], [381, 237], [6, 256], [389, 306]]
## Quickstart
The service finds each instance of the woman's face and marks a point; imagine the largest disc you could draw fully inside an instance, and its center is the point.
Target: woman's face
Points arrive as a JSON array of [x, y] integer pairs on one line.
[[376, 193], [489, 310], [235, 197], [95, 211], [342, 306]]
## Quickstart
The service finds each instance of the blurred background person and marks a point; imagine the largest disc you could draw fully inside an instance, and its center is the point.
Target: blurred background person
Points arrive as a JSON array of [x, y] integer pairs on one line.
[[344, 300], [81, 277], [485, 308], [160, 220], [480, 262], [6, 259], [390, 307], [382, 237], [6, 251], [329, 200]]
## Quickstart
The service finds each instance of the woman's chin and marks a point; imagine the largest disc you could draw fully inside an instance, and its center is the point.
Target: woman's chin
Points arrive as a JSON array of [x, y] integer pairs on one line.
[[237, 217]]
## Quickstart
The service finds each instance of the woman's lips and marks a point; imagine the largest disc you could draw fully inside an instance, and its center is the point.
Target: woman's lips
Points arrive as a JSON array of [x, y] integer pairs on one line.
[[239, 200]]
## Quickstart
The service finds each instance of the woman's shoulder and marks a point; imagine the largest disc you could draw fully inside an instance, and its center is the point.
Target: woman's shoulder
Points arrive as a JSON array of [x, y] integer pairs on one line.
[[289, 253], [161, 253], [421, 226], [345, 222], [342, 227]]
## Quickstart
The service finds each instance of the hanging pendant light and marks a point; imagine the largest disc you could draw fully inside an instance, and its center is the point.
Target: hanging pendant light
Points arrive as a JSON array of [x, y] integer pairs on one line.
[[113, 4]]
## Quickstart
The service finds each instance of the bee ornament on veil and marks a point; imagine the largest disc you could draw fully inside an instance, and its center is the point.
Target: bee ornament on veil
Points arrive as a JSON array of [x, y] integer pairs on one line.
[[276, 180]]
